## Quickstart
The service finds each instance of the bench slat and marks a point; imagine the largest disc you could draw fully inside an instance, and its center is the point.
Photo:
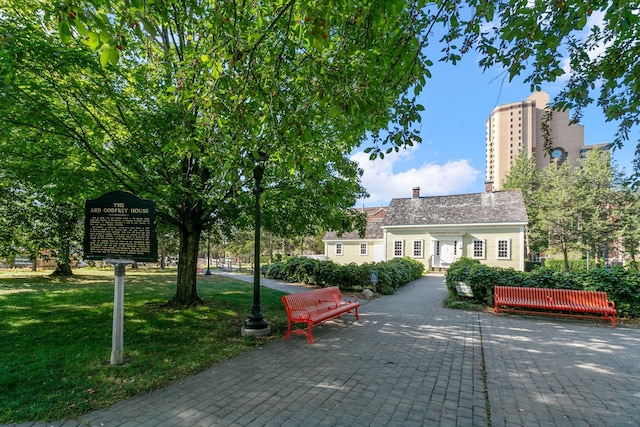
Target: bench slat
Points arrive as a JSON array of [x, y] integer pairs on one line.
[[315, 307], [594, 302]]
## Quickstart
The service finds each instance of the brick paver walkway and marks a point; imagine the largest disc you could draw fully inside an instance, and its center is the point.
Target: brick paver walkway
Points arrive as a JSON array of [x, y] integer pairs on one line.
[[410, 362]]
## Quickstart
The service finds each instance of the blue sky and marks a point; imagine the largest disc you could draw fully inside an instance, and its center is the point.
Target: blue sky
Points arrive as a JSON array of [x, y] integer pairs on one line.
[[451, 159]]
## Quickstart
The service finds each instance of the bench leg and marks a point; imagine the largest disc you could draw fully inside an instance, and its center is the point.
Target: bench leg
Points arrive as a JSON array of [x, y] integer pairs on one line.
[[288, 334], [309, 334], [306, 331]]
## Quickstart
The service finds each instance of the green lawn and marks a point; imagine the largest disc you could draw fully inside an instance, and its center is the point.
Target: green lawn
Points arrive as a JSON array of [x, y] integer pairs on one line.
[[55, 338]]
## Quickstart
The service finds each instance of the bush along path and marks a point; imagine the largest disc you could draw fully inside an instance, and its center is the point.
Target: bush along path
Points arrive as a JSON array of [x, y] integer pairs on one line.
[[621, 284], [350, 277]]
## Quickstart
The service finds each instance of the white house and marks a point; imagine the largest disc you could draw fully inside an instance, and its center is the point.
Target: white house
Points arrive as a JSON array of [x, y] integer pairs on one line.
[[439, 230]]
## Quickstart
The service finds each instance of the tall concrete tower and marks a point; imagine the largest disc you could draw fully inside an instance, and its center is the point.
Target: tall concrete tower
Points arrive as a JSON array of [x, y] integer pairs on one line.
[[519, 126]]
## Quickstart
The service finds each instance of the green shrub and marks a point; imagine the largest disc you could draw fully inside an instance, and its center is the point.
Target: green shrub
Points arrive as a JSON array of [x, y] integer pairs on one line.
[[391, 274], [479, 277], [622, 285], [557, 264]]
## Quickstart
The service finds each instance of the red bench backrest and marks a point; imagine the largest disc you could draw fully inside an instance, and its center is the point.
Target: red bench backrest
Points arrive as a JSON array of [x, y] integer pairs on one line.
[[311, 298]]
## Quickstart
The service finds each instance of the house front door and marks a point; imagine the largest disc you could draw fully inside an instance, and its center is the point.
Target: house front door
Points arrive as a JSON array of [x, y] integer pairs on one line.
[[447, 253]]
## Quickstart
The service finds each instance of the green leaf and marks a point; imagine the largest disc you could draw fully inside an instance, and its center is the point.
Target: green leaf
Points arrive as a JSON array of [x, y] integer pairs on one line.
[[104, 57], [149, 27], [335, 111], [81, 27], [93, 41], [114, 56], [109, 55], [65, 31], [453, 21]]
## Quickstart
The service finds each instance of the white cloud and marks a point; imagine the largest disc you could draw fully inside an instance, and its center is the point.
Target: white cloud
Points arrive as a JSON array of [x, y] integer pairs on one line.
[[384, 179]]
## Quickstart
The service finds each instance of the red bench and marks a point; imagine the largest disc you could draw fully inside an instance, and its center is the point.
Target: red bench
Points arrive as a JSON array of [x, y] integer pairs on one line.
[[315, 307], [589, 303]]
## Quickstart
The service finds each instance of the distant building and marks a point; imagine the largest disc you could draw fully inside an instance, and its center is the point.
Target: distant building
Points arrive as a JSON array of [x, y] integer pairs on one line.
[[439, 230], [519, 126], [350, 247]]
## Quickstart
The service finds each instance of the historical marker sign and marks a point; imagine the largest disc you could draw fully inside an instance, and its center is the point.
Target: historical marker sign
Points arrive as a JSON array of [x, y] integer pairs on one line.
[[373, 277], [119, 225]]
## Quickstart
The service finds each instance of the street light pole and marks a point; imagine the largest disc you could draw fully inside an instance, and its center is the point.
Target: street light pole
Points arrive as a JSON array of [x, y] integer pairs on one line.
[[256, 324], [208, 272]]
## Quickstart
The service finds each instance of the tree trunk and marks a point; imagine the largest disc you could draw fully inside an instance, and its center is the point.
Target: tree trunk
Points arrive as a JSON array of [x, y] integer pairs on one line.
[[162, 263], [186, 287], [62, 270], [565, 255], [527, 244]]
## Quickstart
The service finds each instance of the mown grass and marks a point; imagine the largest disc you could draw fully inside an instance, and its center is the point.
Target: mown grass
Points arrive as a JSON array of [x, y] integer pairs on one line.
[[55, 338]]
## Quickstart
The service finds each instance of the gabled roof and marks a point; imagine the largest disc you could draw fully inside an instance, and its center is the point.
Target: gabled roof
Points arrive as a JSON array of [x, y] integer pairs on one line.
[[477, 208], [373, 231], [373, 214]]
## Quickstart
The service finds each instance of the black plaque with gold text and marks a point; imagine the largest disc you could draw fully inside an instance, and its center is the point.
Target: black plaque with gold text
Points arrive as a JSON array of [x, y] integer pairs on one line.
[[119, 225]]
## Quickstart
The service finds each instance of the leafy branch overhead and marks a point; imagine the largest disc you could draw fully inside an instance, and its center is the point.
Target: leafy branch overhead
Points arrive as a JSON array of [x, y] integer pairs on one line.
[[590, 46], [287, 64], [173, 101]]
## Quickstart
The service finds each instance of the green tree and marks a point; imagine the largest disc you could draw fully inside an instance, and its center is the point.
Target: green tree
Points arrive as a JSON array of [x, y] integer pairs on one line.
[[168, 242], [598, 40], [597, 190], [524, 176], [628, 225], [45, 184], [35, 225], [61, 232], [559, 208], [17, 219], [176, 101]]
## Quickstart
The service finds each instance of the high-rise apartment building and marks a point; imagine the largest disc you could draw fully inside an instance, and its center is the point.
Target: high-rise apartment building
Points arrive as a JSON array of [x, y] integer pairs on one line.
[[519, 126]]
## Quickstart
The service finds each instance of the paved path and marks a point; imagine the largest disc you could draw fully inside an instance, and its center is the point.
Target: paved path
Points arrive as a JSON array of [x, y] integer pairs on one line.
[[409, 362]]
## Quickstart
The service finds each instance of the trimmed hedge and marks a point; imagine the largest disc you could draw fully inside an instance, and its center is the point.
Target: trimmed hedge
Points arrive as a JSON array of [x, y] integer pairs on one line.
[[350, 277], [557, 264], [622, 285]]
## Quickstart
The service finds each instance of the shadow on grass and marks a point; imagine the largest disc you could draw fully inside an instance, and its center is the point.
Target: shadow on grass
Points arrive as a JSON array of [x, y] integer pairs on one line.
[[55, 335]]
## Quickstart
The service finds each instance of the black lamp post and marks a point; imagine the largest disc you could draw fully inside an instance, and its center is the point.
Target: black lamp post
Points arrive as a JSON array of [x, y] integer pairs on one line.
[[256, 324], [208, 272]]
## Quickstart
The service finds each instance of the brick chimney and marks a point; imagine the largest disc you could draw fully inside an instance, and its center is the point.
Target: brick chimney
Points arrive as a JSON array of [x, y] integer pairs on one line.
[[416, 192], [488, 186]]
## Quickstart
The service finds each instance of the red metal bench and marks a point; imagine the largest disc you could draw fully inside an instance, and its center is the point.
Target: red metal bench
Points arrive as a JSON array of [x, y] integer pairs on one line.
[[590, 303], [315, 307]]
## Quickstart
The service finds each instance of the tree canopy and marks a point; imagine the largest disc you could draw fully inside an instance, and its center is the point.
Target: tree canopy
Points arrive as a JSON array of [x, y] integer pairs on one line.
[[177, 102], [581, 207], [592, 46]]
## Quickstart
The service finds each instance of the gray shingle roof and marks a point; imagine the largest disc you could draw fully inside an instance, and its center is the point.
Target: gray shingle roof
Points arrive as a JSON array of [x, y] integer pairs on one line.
[[374, 231], [477, 208]]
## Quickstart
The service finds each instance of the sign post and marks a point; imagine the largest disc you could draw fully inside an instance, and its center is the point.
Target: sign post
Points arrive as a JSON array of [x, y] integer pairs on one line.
[[119, 228], [117, 336], [373, 278]]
